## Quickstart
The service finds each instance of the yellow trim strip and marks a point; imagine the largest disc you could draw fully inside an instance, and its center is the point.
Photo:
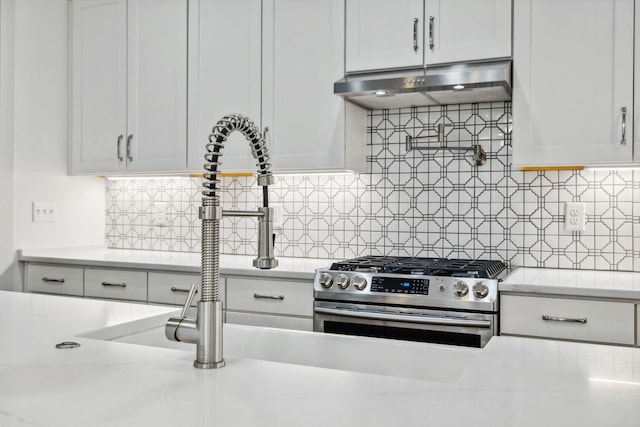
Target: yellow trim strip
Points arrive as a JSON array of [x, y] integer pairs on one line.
[[551, 168]]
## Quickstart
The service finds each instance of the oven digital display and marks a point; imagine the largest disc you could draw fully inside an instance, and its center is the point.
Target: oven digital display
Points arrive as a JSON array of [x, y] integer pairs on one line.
[[395, 285]]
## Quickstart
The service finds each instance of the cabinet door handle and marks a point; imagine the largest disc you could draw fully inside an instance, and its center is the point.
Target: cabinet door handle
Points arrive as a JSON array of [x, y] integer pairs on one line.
[[623, 141], [260, 296], [116, 285], [129, 156], [120, 137], [174, 289], [563, 319], [415, 34], [431, 42], [50, 280]]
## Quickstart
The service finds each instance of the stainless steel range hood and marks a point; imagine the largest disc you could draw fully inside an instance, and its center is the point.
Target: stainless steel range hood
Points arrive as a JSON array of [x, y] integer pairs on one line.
[[436, 85]]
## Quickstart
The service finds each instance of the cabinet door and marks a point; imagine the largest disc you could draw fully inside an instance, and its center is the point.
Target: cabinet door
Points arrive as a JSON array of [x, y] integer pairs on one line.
[[307, 122], [384, 34], [99, 76], [115, 284], [53, 279], [281, 297], [224, 76], [573, 74], [157, 85], [173, 288], [467, 30], [569, 319], [270, 321]]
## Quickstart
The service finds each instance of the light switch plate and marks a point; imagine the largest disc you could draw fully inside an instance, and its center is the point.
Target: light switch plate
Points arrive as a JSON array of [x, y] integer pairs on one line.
[[574, 216], [44, 211]]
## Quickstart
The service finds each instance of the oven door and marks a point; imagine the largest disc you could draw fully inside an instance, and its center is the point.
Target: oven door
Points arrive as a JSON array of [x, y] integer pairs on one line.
[[411, 324]]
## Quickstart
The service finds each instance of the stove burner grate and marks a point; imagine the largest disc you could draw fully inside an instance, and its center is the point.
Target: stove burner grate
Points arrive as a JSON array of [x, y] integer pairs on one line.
[[423, 266]]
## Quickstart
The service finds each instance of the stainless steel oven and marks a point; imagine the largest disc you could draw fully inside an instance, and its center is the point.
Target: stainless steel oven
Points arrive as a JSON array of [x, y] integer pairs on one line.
[[419, 299]]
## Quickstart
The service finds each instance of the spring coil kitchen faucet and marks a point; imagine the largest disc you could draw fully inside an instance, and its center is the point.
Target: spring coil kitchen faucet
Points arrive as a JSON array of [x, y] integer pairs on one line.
[[206, 329]]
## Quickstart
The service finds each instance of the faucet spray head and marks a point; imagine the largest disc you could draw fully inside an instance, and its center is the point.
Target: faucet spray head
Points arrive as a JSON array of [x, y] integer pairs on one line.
[[266, 240]]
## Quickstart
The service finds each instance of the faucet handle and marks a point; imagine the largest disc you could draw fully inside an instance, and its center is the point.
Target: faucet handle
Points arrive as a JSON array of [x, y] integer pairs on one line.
[[187, 304]]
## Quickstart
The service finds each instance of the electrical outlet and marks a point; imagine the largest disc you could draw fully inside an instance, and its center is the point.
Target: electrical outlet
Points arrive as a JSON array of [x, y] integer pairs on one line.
[[574, 216], [44, 211], [160, 218]]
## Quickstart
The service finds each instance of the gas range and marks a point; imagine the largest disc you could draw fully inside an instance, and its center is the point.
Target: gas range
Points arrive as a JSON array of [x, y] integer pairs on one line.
[[420, 282], [451, 301]]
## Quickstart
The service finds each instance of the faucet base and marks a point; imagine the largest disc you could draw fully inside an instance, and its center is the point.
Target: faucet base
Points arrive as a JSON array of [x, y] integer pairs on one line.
[[212, 365]]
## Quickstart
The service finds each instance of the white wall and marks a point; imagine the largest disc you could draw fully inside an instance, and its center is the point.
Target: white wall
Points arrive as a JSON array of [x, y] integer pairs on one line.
[[41, 133], [6, 144]]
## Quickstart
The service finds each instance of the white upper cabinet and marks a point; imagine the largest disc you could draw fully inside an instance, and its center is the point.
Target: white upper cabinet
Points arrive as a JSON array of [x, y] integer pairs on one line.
[[467, 30], [99, 86], [224, 76], [310, 128], [383, 34], [129, 86], [572, 79]]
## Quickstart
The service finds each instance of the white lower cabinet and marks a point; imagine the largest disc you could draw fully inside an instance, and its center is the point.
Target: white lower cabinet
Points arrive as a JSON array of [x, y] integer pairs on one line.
[[52, 279], [567, 318], [172, 288], [115, 284], [270, 321], [270, 302], [638, 325]]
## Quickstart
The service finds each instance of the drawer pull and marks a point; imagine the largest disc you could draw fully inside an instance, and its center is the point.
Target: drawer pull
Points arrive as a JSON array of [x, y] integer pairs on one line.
[[50, 280], [563, 319], [174, 289], [115, 285], [260, 296]]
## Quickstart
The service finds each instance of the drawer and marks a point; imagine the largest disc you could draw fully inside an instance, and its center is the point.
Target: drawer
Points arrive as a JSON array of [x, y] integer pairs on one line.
[[606, 321], [270, 320], [54, 279], [115, 284], [172, 288], [270, 296]]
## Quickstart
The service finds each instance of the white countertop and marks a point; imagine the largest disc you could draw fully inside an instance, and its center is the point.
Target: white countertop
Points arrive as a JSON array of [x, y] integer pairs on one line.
[[295, 268], [511, 382], [584, 283]]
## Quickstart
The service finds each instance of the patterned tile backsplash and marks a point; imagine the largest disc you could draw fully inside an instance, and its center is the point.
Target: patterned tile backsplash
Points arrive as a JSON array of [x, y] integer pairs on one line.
[[432, 203]]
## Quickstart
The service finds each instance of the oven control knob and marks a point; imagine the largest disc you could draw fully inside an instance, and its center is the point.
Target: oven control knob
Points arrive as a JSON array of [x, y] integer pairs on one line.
[[325, 280], [480, 290], [359, 282], [342, 281], [460, 288]]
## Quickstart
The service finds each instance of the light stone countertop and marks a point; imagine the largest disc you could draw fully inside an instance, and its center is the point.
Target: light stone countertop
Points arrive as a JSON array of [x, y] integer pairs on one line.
[[511, 382], [293, 268], [580, 283]]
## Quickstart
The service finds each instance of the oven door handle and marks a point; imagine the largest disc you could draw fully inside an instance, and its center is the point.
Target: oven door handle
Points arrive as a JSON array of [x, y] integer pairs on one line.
[[427, 319]]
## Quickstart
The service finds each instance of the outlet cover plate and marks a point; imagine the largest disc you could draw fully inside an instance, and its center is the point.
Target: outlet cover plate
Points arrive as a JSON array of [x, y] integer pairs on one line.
[[160, 218], [574, 216]]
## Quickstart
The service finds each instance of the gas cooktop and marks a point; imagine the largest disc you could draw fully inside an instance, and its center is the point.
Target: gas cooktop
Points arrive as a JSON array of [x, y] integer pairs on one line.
[[423, 266]]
